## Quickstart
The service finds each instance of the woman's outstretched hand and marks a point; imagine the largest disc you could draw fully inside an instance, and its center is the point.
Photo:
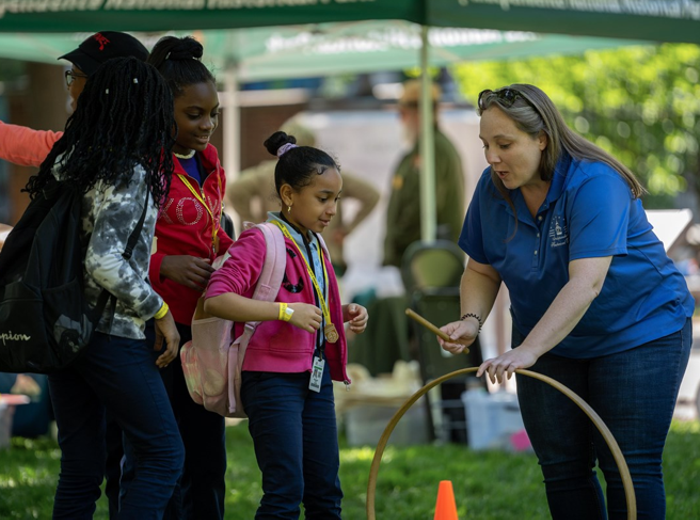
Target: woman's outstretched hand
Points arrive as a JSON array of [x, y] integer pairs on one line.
[[504, 366], [461, 333]]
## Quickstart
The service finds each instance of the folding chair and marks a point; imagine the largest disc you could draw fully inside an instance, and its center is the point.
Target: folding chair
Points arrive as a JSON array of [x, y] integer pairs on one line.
[[431, 274]]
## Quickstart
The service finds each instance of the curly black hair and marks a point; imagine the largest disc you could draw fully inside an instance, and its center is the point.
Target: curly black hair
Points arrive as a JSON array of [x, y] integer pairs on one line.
[[124, 117], [179, 61], [298, 165]]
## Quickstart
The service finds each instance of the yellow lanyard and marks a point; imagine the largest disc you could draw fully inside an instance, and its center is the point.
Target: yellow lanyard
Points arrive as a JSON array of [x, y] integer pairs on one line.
[[200, 198], [324, 306]]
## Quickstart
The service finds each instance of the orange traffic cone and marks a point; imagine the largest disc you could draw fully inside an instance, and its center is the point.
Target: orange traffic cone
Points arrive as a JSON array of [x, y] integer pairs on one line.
[[445, 508]]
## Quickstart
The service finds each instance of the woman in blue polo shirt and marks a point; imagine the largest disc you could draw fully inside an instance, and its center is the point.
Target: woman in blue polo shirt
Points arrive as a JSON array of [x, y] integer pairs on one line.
[[596, 303]]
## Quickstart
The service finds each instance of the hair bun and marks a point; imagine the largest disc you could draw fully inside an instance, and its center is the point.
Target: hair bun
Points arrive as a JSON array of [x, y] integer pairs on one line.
[[186, 49], [277, 140]]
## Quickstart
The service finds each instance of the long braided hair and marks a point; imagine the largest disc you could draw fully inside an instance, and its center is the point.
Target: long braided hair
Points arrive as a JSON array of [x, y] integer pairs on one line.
[[124, 117]]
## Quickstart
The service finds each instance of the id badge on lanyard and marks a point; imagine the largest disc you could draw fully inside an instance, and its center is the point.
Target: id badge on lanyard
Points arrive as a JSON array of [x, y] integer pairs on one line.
[[316, 373]]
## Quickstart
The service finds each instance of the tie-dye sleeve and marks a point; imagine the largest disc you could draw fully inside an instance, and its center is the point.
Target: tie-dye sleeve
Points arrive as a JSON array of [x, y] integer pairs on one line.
[[117, 210]]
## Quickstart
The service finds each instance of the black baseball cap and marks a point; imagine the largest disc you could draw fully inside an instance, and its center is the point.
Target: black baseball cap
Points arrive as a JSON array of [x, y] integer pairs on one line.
[[103, 46]]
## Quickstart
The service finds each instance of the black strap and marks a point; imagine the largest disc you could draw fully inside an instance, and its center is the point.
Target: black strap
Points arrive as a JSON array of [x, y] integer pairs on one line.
[[131, 243]]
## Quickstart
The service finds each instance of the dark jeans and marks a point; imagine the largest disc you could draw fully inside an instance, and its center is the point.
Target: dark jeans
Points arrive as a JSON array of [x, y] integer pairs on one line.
[[296, 444], [199, 493], [634, 392], [119, 375], [113, 465]]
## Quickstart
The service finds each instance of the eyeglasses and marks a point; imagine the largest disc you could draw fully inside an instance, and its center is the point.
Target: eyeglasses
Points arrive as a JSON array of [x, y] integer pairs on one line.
[[71, 76]]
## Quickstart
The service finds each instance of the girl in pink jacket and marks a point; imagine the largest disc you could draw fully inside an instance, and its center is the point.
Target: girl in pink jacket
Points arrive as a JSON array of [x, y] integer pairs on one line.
[[299, 347]]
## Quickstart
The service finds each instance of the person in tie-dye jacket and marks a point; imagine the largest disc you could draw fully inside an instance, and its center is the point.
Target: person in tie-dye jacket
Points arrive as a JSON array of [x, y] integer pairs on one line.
[[103, 153]]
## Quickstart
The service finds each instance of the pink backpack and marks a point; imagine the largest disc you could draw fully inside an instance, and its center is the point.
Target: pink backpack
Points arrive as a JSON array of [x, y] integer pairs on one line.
[[212, 362]]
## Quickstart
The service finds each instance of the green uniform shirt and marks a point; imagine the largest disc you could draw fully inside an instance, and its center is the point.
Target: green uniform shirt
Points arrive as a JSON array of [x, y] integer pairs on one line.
[[403, 225]]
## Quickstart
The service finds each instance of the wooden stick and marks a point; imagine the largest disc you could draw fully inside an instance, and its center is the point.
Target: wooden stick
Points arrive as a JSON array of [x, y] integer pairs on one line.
[[432, 328]]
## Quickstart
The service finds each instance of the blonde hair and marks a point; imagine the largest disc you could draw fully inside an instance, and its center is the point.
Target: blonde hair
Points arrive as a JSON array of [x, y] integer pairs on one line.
[[533, 112]]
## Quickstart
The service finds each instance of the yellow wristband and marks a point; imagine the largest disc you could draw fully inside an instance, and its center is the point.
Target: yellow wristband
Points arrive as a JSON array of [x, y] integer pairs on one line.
[[280, 314], [285, 313], [162, 311]]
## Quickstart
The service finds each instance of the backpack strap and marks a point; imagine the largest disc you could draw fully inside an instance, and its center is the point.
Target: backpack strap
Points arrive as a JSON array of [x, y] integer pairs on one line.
[[272, 274], [131, 243]]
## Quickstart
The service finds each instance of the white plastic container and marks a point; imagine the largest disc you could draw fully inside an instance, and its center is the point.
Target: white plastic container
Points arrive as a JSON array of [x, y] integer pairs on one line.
[[492, 419], [365, 424]]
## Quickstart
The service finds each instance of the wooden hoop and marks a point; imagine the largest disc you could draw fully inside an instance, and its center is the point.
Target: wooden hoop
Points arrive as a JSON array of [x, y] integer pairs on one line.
[[602, 428]]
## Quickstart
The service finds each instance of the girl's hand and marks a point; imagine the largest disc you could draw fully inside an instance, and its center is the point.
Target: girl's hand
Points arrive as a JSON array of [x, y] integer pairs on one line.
[[306, 316], [506, 364], [357, 316], [191, 271], [166, 331], [462, 334]]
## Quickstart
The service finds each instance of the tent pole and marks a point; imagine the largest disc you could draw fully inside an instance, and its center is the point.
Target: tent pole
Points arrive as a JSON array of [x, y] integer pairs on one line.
[[427, 147], [232, 133]]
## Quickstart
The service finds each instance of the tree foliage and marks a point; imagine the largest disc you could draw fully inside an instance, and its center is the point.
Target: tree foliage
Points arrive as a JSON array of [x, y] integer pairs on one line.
[[640, 103]]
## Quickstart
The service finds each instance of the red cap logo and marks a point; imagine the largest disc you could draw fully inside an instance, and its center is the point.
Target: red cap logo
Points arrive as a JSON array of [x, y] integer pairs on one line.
[[101, 40]]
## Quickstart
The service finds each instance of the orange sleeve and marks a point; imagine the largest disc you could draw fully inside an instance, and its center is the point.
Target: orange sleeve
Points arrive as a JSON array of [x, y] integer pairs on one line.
[[25, 146]]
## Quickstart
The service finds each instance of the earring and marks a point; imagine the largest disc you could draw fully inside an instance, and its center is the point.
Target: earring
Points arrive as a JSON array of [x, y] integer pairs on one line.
[[289, 209]]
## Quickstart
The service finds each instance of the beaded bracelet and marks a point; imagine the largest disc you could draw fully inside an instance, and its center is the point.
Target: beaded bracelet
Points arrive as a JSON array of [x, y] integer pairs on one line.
[[472, 315]]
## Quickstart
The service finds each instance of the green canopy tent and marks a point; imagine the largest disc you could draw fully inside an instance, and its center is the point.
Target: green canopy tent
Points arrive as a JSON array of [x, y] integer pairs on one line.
[[661, 20], [264, 53], [323, 49], [657, 20]]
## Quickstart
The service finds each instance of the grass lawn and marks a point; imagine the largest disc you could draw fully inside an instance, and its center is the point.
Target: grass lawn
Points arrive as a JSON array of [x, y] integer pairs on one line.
[[491, 485]]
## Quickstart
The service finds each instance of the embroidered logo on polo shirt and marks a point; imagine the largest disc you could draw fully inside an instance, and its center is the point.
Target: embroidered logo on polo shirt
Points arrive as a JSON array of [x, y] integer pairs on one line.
[[558, 232]]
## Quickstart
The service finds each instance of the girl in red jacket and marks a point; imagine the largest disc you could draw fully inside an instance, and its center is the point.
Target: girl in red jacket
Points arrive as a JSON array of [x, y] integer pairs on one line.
[[189, 237], [300, 345]]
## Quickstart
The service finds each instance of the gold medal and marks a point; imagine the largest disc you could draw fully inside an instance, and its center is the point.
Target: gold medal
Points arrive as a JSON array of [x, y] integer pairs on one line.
[[331, 333]]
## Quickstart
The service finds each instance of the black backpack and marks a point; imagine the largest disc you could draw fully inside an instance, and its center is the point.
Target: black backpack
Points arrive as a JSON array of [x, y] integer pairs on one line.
[[45, 321]]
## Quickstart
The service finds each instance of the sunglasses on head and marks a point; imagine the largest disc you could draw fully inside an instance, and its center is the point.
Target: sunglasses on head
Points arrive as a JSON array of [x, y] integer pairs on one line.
[[505, 96]]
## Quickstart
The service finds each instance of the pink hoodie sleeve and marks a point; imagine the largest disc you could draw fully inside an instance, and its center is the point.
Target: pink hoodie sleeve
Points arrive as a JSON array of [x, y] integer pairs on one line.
[[240, 273], [24, 146]]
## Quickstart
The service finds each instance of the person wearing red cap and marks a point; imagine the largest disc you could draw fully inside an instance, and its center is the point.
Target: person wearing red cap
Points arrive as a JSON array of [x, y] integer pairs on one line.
[[28, 147], [118, 372]]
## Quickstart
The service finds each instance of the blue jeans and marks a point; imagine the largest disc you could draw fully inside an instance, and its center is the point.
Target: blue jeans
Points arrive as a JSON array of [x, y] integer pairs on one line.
[[296, 444], [634, 392], [200, 490], [119, 375]]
